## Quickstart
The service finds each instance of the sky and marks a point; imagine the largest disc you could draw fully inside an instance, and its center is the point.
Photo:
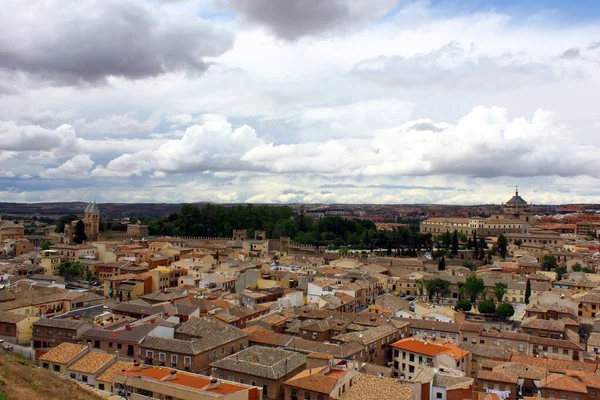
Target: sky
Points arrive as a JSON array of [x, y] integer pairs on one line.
[[289, 101]]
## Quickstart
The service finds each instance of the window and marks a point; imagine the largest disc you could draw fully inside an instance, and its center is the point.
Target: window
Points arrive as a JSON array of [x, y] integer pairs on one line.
[[110, 345], [266, 391], [119, 346], [173, 360], [84, 378], [49, 331], [46, 366], [73, 376], [101, 386], [565, 351], [521, 347], [253, 383], [56, 368], [438, 395], [306, 396], [214, 354], [161, 358], [555, 350]]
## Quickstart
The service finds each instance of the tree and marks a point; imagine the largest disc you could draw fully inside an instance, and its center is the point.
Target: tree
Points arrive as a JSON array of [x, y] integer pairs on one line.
[[447, 240], [560, 271], [464, 305], [71, 270], [63, 221], [455, 243], [80, 236], [420, 286], [577, 267], [475, 245], [500, 290], [442, 264], [486, 306], [89, 276], [46, 244], [474, 286], [469, 265], [549, 263], [527, 291], [505, 310], [502, 245]]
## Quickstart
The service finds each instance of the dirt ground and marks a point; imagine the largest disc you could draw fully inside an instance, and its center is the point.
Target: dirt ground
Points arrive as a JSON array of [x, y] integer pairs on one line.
[[20, 379]]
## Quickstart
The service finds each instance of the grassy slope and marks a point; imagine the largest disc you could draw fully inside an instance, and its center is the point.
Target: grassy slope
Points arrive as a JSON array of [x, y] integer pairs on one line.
[[20, 379]]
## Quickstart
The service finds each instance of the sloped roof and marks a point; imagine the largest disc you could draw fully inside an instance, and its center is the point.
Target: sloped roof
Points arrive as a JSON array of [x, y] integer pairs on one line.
[[265, 362], [373, 387], [91, 362], [63, 353]]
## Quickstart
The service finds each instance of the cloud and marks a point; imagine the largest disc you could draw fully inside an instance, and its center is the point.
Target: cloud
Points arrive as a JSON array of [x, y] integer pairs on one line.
[[72, 42], [484, 143], [114, 125], [215, 145], [452, 67], [291, 19], [75, 168], [570, 53], [35, 138]]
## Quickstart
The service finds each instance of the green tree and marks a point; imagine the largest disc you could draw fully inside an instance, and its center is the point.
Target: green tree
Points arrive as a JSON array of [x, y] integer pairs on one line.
[[455, 243], [474, 287], [486, 306], [71, 270], [46, 244], [475, 245], [560, 271], [500, 290], [469, 265], [89, 276], [442, 264], [502, 245], [63, 221], [464, 305], [505, 310], [80, 236], [527, 291], [549, 262]]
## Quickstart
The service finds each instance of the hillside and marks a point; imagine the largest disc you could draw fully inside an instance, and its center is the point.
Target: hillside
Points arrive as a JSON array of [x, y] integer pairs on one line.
[[20, 379]]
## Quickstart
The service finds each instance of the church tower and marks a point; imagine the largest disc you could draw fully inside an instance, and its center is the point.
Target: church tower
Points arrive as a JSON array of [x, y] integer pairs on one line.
[[91, 219]]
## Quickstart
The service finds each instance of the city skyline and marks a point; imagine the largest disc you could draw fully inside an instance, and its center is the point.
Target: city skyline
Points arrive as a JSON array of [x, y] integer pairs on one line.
[[406, 102]]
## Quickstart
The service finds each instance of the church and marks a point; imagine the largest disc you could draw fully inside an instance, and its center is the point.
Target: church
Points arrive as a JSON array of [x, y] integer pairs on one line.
[[91, 221]]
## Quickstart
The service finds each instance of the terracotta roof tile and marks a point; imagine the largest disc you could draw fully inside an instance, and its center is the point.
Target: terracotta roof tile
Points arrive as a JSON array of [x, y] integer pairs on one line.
[[91, 362], [63, 353]]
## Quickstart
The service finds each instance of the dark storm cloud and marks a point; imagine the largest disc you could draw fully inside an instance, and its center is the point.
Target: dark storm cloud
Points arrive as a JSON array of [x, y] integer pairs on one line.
[[70, 42], [292, 19]]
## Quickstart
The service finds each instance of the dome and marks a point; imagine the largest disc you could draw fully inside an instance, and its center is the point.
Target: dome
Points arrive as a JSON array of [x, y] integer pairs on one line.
[[516, 199]]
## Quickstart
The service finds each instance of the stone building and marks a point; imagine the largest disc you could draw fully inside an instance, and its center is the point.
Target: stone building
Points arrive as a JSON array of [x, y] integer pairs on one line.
[[91, 221]]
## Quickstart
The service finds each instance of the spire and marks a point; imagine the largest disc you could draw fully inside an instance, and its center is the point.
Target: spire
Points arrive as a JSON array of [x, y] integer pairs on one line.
[[517, 191]]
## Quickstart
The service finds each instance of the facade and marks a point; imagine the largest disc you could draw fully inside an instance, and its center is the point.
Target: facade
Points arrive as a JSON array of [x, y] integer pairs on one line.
[[411, 356], [50, 332], [91, 222], [332, 381], [16, 328]]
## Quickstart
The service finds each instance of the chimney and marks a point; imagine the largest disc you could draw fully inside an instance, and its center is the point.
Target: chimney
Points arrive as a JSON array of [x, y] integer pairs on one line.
[[128, 327]]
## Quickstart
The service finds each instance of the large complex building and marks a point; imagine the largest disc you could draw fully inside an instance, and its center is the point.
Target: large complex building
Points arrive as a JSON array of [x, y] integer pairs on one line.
[[515, 219]]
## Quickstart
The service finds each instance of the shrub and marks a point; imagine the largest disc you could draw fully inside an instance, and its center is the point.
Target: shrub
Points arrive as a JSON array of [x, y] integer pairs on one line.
[[505, 310], [486, 306], [464, 305]]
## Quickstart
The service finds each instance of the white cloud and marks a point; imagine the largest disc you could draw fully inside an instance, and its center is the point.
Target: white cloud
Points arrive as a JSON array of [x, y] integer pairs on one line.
[[75, 168]]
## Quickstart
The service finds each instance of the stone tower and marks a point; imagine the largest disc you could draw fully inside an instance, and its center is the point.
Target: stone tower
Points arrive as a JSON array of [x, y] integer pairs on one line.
[[91, 220]]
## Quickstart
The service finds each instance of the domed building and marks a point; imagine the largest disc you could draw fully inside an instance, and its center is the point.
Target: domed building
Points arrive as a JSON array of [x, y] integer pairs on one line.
[[517, 207]]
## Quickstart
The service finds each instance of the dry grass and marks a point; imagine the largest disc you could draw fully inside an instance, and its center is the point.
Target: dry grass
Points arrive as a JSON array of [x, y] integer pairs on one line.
[[20, 379]]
